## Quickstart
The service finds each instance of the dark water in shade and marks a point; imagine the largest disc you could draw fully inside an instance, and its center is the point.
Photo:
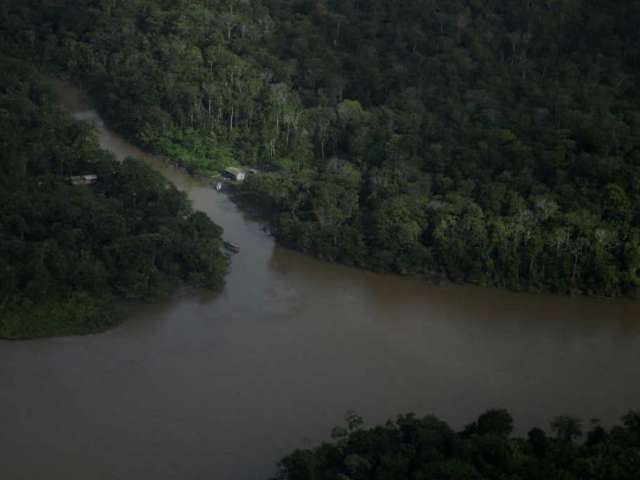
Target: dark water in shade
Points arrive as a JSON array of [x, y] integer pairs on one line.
[[221, 386]]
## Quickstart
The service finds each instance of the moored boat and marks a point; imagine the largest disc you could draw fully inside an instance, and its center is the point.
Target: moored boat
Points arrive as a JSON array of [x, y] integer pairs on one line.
[[232, 247]]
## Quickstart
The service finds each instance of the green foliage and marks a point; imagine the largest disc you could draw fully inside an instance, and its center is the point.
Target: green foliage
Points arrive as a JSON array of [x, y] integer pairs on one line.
[[76, 314], [185, 79], [427, 449], [494, 142], [68, 253]]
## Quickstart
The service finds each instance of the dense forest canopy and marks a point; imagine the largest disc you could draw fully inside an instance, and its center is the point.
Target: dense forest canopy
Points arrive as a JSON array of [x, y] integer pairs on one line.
[[428, 449], [489, 141], [495, 142], [66, 252]]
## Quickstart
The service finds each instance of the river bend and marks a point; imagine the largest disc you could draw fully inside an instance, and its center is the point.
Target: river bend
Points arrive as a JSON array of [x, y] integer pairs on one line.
[[222, 385]]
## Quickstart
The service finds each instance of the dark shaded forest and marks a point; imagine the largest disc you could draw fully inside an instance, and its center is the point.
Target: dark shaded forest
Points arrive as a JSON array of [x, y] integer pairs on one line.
[[68, 253], [428, 449], [484, 141]]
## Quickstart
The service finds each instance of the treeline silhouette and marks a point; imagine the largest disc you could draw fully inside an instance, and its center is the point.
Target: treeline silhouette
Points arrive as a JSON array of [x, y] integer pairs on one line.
[[412, 448]]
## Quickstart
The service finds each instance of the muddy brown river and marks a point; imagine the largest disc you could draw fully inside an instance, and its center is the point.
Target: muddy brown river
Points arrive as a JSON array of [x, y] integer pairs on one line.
[[207, 386]]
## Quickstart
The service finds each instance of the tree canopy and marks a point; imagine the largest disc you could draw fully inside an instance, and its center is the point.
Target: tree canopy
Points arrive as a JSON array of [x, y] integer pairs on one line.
[[493, 142], [68, 252], [428, 448]]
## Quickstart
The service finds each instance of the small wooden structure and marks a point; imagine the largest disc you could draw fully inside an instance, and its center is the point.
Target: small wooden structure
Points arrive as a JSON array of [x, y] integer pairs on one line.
[[235, 174], [79, 180]]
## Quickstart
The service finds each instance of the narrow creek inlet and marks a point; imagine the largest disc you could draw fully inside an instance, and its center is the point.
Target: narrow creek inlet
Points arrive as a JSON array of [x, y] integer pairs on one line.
[[222, 385]]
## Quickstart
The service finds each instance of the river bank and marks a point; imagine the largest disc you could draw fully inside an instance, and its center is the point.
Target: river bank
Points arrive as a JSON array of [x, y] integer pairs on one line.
[[222, 385], [265, 216]]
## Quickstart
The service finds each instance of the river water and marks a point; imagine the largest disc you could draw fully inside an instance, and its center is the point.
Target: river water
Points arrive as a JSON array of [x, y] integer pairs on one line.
[[220, 386]]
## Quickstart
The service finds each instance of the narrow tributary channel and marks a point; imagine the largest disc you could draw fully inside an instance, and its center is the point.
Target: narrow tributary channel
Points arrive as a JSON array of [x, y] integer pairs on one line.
[[221, 386]]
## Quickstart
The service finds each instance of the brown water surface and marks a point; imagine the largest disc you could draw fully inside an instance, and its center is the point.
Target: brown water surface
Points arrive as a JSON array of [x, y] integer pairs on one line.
[[221, 386]]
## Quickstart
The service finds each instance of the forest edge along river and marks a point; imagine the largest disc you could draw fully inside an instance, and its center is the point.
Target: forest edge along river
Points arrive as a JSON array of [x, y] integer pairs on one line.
[[222, 385]]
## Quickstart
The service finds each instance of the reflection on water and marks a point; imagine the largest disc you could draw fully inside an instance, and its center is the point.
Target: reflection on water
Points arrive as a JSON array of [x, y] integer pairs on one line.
[[221, 385]]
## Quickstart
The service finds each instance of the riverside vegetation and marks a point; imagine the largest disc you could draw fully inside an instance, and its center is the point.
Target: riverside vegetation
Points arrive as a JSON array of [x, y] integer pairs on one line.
[[68, 253], [493, 142], [428, 449]]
